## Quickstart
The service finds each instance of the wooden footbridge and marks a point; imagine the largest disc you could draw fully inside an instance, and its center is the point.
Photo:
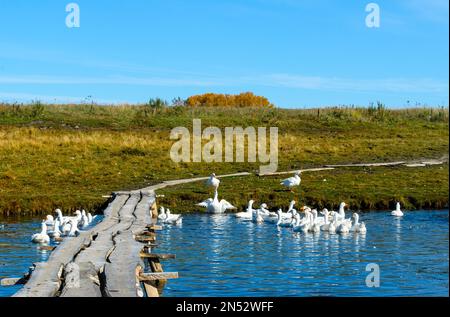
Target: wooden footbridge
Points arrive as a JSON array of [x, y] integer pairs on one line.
[[113, 259]]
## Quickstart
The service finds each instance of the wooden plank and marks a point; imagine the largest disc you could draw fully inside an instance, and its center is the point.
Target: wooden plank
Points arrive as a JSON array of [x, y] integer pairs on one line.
[[153, 227], [145, 239], [150, 256], [158, 276], [13, 281], [150, 289], [123, 267], [81, 280]]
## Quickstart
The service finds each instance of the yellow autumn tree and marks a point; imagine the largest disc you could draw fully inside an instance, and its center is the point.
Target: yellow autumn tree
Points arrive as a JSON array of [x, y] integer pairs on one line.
[[246, 99]]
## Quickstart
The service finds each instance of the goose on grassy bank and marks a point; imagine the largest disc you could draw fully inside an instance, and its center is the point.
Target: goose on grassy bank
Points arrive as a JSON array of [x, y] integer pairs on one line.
[[213, 181], [214, 206], [41, 237], [292, 182], [397, 212]]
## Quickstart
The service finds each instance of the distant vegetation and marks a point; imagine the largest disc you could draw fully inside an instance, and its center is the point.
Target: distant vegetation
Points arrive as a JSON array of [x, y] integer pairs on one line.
[[68, 156], [247, 99]]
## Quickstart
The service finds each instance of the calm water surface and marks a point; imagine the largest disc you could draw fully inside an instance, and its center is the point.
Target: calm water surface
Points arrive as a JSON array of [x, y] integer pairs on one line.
[[225, 256]]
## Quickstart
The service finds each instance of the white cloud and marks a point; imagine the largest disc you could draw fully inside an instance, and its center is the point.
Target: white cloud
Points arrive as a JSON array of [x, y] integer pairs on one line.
[[294, 81]]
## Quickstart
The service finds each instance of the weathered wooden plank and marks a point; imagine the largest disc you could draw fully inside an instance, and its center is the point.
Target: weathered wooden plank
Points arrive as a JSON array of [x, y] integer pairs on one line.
[[158, 276], [153, 227], [123, 267], [13, 281], [81, 280]]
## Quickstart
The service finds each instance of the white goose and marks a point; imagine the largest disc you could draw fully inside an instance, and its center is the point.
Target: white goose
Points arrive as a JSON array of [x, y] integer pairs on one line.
[[162, 213], [290, 213], [326, 226], [41, 237], [56, 233], [317, 220], [341, 213], [60, 216], [90, 218], [292, 182], [214, 206], [248, 214], [258, 217], [397, 212], [84, 222], [172, 218], [70, 228], [356, 225], [73, 228], [213, 181], [283, 222], [50, 221]]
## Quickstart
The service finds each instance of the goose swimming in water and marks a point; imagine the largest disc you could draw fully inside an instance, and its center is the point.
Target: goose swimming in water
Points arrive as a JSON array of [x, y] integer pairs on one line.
[[257, 216], [84, 222], [56, 233], [326, 226], [283, 222], [292, 182], [213, 181], [248, 214], [162, 213], [172, 218], [60, 216], [50, 221], [72, 226], [397, 212], [358, 227], [41, 237], [214, 206], [341, 213]]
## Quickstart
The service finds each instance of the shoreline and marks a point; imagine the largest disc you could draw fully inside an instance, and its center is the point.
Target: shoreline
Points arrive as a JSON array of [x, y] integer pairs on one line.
[[376, 205]]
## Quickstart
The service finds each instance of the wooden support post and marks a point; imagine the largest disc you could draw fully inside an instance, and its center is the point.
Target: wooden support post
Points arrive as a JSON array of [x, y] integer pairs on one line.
[[13, 281], [153, 227], [154, 210], [153, 256], [148, 277]]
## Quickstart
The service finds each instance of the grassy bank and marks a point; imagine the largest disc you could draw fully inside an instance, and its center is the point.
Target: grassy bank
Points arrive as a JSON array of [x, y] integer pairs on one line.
[[68, 156], [362, 188]]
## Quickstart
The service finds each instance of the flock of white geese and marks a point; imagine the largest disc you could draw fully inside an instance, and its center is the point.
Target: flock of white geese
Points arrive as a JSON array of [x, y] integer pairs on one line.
[[327, 221], [62, 226]]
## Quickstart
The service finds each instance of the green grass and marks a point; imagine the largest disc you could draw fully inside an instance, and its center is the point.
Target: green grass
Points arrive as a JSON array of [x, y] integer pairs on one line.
[[377, 188], [68, 156]]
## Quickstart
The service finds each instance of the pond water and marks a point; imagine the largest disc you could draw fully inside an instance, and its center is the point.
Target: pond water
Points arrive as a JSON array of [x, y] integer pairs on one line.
[[225, 256]]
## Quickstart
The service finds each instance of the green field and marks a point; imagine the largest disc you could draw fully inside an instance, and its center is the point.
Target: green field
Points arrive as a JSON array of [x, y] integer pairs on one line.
[[68, 156]]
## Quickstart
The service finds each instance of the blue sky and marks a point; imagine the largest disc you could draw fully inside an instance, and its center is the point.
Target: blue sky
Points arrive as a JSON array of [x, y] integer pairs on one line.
[[298, 53]]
